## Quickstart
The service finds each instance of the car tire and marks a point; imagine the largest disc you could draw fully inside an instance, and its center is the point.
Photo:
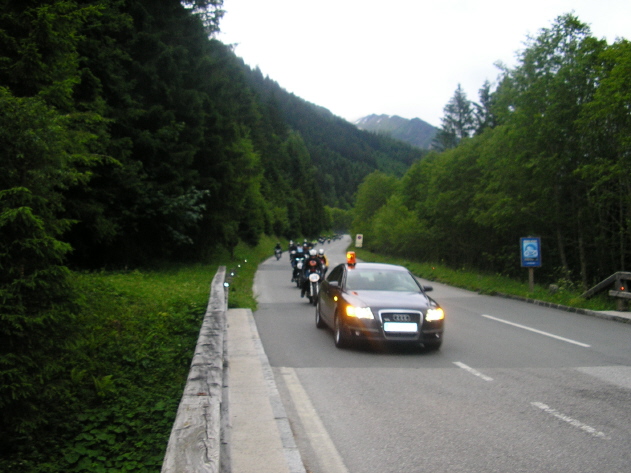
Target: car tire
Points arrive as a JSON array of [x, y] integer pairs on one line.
[[318, 317], [340, 334]]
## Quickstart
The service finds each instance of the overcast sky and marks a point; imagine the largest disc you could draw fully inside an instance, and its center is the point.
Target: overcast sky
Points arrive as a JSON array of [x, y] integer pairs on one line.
[[397, 57]]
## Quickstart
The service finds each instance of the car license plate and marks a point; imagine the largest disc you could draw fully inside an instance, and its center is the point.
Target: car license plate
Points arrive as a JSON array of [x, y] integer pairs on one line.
[[407, 327]]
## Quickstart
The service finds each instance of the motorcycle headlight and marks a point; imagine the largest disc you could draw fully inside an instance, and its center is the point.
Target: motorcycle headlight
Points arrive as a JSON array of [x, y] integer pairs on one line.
[[314, 277], [435, 314], [359, 312]]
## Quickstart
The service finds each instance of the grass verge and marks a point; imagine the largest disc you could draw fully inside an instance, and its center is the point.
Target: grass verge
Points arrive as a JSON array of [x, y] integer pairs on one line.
[[566, 295], [126, 359]]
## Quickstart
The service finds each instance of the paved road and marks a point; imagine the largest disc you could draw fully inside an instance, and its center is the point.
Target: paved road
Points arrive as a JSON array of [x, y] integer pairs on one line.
[[515, 387]]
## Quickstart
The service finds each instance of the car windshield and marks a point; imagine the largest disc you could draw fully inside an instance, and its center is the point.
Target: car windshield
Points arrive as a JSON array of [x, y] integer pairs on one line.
[[379, 280]]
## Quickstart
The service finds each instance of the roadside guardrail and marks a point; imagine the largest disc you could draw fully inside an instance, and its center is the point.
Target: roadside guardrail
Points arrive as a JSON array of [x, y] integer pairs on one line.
[[199, 439]]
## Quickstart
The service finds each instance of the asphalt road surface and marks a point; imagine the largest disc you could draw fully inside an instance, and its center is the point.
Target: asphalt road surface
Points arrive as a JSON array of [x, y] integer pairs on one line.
[[515, 387]]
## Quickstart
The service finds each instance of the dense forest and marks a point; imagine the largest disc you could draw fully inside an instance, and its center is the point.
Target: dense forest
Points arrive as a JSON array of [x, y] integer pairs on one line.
[[167, 144], [342, 154], [547, 153]]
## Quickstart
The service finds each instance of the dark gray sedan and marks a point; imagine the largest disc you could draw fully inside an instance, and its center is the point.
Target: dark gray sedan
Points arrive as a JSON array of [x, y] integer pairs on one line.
[[376, 301]]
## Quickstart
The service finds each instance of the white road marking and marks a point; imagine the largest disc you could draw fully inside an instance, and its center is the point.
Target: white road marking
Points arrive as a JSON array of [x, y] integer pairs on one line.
[[580, 344], [573, 422], [328, 457], [472, 371]]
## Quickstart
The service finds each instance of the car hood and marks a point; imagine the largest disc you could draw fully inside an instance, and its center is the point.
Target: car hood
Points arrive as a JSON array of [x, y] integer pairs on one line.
[[389, 299]]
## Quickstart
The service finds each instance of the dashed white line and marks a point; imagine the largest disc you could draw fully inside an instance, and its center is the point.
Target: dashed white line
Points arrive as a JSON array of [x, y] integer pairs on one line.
[[472, 371], [573, 422], [540, 332]]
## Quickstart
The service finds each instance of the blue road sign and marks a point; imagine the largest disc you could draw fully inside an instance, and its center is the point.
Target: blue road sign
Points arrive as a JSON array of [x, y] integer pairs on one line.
[[530, 252]]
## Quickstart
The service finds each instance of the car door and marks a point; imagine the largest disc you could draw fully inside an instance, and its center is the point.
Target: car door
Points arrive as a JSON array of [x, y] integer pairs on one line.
[[328, 290]]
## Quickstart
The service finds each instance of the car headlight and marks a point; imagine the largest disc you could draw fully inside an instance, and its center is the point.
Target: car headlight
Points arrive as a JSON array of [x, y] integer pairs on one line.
[[435, 314], [359, 312]]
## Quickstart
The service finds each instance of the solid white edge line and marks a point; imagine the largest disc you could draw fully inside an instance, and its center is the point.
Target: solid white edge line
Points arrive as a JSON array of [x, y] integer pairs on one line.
[[328, 457], [573, 422], [472, 371], [584, 345]]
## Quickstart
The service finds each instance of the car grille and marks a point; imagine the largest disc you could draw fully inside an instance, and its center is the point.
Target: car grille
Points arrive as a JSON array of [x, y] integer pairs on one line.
[[392, 318]]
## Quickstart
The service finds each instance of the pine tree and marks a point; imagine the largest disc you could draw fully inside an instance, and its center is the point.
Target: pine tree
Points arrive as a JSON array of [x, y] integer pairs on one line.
[[458, 122]]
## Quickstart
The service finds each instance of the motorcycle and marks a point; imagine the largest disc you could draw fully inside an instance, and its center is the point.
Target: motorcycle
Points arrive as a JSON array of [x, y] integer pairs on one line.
[[278, 253], [297, 263], [313, 276]]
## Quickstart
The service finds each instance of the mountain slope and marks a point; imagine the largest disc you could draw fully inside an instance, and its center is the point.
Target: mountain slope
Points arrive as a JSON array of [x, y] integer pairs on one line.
[[415, 131], [341, 154]]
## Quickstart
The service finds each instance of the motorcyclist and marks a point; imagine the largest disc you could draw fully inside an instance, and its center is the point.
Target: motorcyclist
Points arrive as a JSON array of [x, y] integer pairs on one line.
[[294, 257], [278, 250], [311, 261], [324, 260]]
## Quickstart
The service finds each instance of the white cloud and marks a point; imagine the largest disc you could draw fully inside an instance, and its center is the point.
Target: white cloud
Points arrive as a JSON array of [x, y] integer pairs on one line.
[[357, 57]]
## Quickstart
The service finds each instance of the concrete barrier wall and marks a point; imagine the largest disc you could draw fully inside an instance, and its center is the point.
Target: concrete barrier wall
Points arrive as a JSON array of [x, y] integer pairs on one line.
[[195, 444]]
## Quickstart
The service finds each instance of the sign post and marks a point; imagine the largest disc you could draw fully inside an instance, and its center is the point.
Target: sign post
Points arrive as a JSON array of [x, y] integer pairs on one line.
[[530, 250], [359, 240]]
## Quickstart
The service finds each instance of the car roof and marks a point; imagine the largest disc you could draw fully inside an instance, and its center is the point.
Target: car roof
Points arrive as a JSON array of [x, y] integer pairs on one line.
[[377, 266]]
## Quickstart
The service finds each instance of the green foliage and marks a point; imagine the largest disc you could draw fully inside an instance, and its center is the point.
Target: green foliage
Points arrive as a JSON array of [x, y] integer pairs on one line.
[[458, 122], [196, 150], [41, 157], [340, 219], [341, 154], [119, 370], [396, 227], [372, 194]]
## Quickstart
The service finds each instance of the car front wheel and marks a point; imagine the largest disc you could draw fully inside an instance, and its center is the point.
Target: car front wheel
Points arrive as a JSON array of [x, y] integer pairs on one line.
[[342, 339], [318, 317]]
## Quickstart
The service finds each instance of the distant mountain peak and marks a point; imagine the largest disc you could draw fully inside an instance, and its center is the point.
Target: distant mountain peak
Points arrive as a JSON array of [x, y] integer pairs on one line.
[[415, 131]]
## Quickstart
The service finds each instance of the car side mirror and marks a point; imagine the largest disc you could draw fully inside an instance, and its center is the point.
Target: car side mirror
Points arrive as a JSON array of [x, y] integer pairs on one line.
[[428, 288], [334, 284]]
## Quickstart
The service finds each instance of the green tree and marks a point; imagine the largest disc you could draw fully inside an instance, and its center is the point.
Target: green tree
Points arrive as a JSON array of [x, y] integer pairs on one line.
[[541, 100], [397, 230], [341, 219], [483, 111], [457, 123], [605, 127], [372, 194], [40, 157]]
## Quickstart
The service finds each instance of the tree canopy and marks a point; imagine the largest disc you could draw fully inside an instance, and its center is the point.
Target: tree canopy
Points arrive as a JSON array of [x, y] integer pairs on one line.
[[544, 154]]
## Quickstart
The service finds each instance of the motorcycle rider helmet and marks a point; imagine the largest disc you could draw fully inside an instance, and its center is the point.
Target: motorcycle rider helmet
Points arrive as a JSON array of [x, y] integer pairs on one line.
[[321, 251], [313, 252]]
